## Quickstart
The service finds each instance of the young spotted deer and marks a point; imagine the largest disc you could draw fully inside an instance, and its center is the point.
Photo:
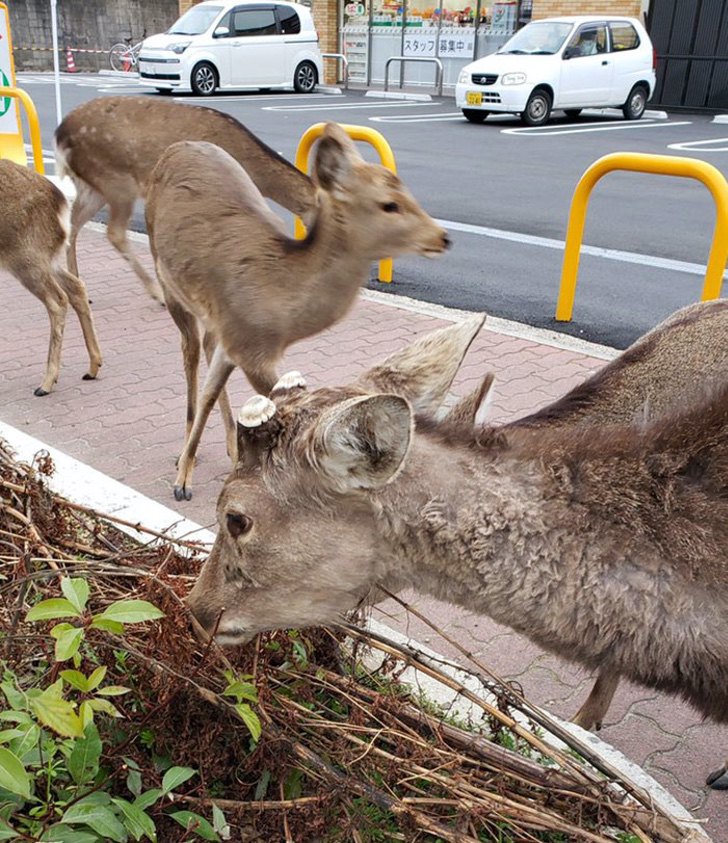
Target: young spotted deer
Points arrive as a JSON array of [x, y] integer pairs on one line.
[[605, 544], [34, 219], [109, 146], [226, 263]]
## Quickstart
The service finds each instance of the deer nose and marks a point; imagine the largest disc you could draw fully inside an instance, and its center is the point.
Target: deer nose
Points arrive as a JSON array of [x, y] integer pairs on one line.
[[446, 241]]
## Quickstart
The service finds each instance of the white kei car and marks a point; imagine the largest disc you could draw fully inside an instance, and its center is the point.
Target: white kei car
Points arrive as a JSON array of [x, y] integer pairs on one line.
[[567, 63]]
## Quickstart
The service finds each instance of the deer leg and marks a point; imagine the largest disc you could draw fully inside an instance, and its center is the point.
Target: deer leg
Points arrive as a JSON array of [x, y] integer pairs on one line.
[[87, 203], [223, 401], [75, 289], [190, 335], [217, 375], [263, 378], [40, 281], [119, 215], [591, 714]]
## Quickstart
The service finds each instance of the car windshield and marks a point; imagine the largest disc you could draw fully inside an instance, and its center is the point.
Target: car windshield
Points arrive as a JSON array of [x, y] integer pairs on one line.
[[196, 21], [540, 38]]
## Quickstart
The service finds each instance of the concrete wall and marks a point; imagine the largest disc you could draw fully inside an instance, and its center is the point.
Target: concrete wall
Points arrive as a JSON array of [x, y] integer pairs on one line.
[[85, 25]]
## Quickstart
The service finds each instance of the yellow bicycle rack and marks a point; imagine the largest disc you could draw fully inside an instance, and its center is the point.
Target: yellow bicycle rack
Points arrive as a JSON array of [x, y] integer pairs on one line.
[[357, 133], [668, 165], [12, 145]]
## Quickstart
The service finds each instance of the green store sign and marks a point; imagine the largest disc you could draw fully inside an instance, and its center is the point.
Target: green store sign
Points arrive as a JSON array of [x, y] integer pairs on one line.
[[5, 102]]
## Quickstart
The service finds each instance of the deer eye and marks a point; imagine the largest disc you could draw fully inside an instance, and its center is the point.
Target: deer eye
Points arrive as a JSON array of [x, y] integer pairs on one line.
[[238, 524], [390, 208]]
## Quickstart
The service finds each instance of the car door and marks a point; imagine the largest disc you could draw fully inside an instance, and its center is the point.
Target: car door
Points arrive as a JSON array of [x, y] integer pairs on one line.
[[258, 50], [586, 69]]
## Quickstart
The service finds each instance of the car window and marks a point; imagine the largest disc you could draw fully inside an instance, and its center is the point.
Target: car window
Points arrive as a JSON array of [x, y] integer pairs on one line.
[[289, 20], [227, 23], [589, 41], [195, 21], [538, 38], [624, 36], [254, 22]]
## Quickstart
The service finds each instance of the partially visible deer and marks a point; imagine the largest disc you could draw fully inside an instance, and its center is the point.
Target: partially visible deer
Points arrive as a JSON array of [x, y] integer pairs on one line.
[[109, 146], [226, 263], [606, 544], [34, 218]]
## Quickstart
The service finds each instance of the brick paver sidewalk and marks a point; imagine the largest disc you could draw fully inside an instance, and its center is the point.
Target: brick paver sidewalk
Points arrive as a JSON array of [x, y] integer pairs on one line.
[[129, 424]]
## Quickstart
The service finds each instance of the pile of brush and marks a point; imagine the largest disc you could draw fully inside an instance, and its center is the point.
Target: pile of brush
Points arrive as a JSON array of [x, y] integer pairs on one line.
[[312, 735]]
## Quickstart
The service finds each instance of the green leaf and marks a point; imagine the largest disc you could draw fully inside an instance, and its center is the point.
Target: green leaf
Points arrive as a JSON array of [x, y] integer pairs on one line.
[[13, 776], [83, 762], [86, 713], [8, 834], [146, 800], [176, 776], [68, 640], [131, 611], [251, 720], [113, 691], [75, 679], [137, 823], [219, 823], [6, 735], [76, 591], [19, 717], [56, 713], [98, 817], [27, 740], [48, 610], [189, 820], [134, 782], [64, 834], [96, 678], [99, 622], [15, 698], [105, 706], [241, 691]]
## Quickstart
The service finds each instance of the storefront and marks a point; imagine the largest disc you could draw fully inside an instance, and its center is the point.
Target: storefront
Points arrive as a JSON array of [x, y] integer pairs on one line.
[[376, 30]]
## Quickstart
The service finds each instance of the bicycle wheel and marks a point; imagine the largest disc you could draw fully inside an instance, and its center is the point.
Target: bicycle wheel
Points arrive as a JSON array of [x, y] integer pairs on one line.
[[119, 57]]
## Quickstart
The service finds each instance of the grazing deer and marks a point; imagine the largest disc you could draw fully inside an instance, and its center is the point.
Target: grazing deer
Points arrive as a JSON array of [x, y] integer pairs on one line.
[[226, 263], [605, 544], [109, 146], [34, 217]]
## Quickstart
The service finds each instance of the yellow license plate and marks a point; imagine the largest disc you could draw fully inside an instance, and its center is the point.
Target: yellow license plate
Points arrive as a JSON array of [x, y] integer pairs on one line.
[[474, 98]]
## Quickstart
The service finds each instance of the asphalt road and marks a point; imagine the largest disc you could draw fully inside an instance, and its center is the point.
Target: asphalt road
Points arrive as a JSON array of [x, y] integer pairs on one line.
[[504, 192]]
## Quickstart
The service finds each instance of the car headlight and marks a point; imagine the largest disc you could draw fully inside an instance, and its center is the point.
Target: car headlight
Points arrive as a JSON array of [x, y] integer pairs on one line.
[[513, 78], [464, 77], [180, 46]]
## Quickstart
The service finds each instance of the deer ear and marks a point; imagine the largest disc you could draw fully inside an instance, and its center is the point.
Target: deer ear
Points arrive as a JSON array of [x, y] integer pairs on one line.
[[336, 155], [423, 372], [361, 443], [469, 412]]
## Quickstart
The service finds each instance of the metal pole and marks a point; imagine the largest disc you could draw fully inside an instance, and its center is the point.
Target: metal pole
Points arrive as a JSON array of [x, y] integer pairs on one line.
[[56, 68]]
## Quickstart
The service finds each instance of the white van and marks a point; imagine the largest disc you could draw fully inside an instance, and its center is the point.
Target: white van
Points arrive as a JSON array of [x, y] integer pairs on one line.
[[566, 63], [233, 46]]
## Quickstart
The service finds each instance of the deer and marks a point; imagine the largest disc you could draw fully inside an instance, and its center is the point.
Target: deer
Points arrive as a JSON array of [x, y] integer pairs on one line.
[[253, 290], [605, 543], [108, 148], [34, 223]]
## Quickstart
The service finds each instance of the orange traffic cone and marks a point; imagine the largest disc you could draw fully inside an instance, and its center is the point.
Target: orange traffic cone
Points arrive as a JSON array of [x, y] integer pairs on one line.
[[70, 63]]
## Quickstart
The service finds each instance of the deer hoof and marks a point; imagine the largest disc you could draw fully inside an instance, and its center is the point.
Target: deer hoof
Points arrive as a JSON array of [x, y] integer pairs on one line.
[[40, 392], [718, 779], [181, 493], [88, 377]]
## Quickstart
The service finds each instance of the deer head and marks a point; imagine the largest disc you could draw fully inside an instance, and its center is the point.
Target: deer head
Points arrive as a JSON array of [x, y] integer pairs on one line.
[[282, 558]]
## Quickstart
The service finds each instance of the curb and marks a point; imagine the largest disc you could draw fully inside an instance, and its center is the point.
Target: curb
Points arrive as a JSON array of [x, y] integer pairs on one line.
[[399, 95], [120, 74]]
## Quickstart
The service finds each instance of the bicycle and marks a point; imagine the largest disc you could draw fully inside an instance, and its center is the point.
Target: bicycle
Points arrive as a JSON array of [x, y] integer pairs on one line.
[[124, 56]]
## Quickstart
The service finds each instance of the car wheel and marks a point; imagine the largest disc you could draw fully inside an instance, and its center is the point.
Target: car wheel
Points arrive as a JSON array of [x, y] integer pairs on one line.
[[636, 103], [472, 115], [305, 78], [538, 108], [204, 79], [572, 113]]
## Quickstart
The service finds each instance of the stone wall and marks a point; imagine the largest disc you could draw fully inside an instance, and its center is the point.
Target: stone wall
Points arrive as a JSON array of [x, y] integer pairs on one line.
[[551, 8], [82, 25]]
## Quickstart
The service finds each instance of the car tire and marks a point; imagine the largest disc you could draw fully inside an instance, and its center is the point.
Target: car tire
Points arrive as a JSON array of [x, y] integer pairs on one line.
[[538, 108], [473, 115], [305, 78], [204, 79], [572, 113], [636, 103]]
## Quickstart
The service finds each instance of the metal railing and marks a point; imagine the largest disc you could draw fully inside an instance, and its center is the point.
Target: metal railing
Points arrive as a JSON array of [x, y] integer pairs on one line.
[[403, 59], [340, 57], [669, 165]]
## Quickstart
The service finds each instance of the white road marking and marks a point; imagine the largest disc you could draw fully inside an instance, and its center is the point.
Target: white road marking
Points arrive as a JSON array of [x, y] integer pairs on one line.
[[334, 106], [594, 251], [251, 98], [549, 131], [419, 118], [701, 145]]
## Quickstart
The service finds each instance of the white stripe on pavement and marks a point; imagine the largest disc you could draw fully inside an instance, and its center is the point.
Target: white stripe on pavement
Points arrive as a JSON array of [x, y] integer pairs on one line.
[[334, 106], [549, 131]]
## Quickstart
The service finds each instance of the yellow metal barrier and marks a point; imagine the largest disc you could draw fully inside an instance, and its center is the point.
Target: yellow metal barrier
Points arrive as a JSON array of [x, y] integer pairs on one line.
[[668, 165], [357, 133], [12, 150]]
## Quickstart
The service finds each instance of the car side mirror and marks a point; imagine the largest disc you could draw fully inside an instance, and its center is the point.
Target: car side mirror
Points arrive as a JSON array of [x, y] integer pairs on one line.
[[221, 32], [571, 52]]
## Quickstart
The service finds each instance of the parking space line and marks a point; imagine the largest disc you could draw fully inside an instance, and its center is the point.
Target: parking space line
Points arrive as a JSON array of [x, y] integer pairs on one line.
[[334, 106], [701, 145], [609, 126], [223, 98], [418, 118]]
